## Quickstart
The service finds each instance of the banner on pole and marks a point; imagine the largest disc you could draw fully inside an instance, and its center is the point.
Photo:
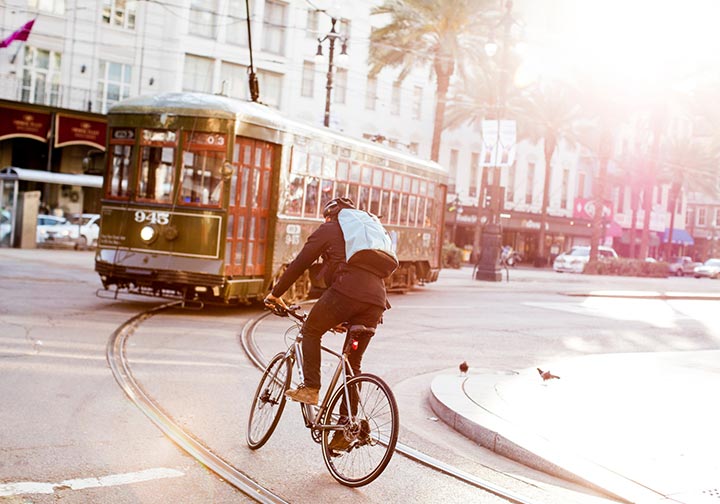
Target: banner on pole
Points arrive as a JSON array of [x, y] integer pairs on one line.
[[21, 33], [499, 142]]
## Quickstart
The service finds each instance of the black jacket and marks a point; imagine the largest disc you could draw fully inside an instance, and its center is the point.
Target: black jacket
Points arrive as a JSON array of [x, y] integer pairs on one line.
[[356, 283]]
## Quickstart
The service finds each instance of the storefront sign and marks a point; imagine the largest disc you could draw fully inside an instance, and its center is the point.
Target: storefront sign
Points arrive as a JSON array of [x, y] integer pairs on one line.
[[19, 123], [74, 130], [585, 209]]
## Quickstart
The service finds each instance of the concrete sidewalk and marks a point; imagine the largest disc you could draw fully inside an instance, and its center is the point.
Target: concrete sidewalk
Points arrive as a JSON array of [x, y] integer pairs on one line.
[[644, 428]]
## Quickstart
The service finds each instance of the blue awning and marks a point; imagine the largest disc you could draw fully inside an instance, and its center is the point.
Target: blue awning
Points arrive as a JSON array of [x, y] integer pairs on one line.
[[679, 237]]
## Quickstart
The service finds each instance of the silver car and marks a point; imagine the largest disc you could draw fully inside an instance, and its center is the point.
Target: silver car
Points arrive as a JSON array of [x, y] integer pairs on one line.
[[575, 259], [708, 269]]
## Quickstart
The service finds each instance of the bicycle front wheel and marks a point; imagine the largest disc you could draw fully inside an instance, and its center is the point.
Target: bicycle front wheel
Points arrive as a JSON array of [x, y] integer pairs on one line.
[[363, 442], [269, 401]]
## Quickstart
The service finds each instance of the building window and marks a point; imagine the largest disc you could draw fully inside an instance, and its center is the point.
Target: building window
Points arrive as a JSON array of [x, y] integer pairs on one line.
[[119, 13], [701, 216], [371, 93], [395, 100], [474, 173], [203, 21], [236, 77], [452, 175], [271, 85], [197, 74], [510, 189], [340, 86], [308, 79], [414, 148], [581, 185], [113, 83], [274, 27], [41, 76], [717, 217], [344, 30], [312, 25], [51, 6], [565, 188], [417, 102], [236, 29], [529, 183]]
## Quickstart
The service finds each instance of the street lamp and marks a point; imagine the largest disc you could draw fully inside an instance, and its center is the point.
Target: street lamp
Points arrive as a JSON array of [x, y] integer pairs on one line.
[[488, 265], [342, 58]]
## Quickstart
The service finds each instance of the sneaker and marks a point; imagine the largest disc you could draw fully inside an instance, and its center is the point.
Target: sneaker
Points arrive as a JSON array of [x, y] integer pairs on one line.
[[304, 394], [339, 443]]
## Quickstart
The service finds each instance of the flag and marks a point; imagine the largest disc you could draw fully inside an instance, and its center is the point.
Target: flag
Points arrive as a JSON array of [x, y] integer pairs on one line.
[[21, 34]]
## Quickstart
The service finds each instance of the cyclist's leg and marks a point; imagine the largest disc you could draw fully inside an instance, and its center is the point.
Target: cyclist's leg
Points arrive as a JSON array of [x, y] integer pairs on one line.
[[329, 311], [369, 316]]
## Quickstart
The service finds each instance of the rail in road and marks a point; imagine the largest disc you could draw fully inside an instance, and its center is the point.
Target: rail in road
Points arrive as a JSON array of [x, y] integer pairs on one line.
[[238, 477]]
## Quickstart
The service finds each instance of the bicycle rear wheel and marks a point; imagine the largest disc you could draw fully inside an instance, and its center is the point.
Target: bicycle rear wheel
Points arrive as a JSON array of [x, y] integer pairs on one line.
[[370, 433], [269, 401]]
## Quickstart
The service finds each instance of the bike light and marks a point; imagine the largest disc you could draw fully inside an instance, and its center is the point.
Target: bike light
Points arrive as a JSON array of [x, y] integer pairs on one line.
[[354, 344]]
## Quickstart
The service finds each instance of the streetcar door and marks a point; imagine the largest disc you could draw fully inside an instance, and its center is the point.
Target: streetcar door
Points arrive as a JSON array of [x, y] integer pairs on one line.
[[249, 208]]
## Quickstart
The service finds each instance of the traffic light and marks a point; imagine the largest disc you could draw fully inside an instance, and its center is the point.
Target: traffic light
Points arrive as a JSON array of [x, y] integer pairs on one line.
[[494, 198]]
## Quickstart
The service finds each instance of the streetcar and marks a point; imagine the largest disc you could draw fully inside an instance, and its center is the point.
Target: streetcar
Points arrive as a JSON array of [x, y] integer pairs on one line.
[[208, 198]]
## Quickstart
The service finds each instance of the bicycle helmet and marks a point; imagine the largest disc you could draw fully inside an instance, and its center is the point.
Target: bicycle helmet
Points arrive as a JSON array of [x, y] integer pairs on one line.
[[334, 206]]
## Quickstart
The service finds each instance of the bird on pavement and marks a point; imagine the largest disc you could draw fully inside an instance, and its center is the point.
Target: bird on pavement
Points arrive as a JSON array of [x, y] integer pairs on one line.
[[547, 375], [463, 368]]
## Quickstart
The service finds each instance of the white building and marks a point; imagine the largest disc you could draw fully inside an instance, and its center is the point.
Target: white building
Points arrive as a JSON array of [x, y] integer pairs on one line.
[[85, 56]]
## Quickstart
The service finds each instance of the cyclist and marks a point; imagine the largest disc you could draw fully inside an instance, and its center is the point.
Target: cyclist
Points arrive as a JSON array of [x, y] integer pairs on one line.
[[355, 296]]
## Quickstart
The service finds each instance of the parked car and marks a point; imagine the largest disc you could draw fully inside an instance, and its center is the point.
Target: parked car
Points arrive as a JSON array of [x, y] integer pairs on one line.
[[5, 227], [81, 231], [708, 269], [45, 223], [683, 265], [575, 259]]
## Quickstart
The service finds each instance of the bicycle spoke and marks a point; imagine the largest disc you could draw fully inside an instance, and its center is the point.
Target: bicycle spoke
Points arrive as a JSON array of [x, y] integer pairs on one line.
[[269, 401], [371, 434]]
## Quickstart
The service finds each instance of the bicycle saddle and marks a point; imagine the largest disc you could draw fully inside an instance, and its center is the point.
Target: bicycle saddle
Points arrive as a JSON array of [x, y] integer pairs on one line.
[[358, 330]]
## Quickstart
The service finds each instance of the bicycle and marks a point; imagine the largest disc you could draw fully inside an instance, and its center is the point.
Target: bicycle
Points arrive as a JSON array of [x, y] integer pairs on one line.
[[370, 428]]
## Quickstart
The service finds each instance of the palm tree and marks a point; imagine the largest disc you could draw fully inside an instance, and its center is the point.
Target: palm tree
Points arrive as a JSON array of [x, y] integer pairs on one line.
[[686, 163], [442, 34], [550, 114]]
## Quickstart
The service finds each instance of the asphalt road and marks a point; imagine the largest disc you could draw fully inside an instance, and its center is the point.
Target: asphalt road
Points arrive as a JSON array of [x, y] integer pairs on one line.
[[67, 428]]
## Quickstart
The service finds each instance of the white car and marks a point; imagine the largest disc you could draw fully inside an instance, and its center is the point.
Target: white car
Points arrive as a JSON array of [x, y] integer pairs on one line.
[[45, 223], [708, 269], [575, 259], [82, 230]]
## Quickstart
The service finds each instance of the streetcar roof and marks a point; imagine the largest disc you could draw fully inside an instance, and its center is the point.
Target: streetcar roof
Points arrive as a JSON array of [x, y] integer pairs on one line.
[[218, 106]]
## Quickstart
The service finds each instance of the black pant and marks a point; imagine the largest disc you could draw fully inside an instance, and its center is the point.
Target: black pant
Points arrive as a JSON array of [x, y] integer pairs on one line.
[[330, 310]]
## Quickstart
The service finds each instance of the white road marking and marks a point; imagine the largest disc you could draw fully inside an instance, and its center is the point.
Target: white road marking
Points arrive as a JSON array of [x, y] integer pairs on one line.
[[35, 487]]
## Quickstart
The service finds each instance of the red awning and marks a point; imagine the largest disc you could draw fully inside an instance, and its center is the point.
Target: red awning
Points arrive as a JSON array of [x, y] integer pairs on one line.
[[614, 230], [24, 123], [77, 130]]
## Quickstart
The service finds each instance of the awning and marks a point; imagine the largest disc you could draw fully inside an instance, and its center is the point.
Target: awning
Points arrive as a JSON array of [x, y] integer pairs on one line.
[[77, 130], [12, 173], [679, 237], [24, 123]]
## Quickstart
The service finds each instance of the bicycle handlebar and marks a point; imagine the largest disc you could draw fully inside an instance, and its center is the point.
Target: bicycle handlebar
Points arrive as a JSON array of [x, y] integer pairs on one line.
[[294, 311]]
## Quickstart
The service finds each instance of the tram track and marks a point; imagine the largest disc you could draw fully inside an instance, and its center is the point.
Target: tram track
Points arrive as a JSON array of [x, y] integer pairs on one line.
[[120, 367]]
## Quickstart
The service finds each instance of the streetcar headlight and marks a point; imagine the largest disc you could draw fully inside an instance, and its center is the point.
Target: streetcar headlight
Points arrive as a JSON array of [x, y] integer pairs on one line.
[[148, 234]]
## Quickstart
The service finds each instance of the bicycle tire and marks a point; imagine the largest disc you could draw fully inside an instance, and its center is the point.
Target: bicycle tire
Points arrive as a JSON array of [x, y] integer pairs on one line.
[[367, 455], [269, 401]]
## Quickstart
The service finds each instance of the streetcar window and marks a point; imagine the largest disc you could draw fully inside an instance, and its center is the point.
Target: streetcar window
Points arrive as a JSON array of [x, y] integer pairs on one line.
[[403, 210], [375, 201], [120, 166], [326, 193], [201, 181], [311, 196], [156, 174], [363, 199], [342, 170], [122, 141], [355, 172], [412, 210], [385, 207], [293, 202], [314, 165], [394, 208]]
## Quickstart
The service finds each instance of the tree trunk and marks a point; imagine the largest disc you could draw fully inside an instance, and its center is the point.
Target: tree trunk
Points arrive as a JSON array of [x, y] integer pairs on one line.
[[604, 155], [550, 143], [443, 83], [674, 193]]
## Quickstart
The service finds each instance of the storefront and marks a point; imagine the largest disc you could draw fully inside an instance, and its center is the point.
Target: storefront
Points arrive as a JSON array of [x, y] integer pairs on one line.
[[52, 140]]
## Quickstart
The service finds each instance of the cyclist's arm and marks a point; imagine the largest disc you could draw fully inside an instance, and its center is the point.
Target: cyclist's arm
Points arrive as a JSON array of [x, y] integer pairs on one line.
[[313, 248]]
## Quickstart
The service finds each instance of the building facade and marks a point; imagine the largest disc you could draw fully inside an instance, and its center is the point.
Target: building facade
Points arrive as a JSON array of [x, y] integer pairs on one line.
[[81, 57]]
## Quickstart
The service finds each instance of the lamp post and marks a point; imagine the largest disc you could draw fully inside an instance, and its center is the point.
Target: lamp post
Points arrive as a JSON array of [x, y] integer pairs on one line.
[[331, 37], [488, 265]]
